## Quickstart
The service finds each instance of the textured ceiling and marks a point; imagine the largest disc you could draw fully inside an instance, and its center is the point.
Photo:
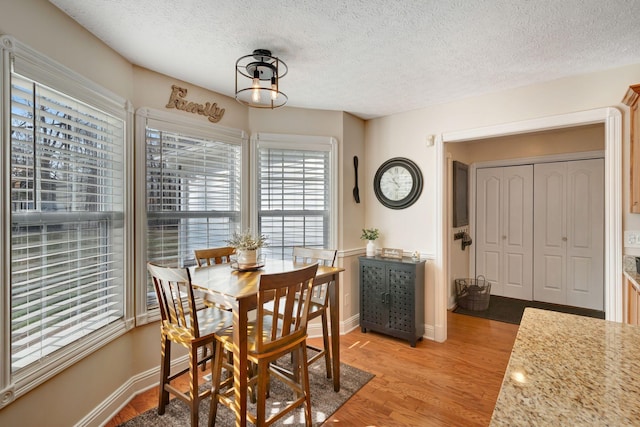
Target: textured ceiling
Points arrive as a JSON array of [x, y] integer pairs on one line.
[[370, 57]]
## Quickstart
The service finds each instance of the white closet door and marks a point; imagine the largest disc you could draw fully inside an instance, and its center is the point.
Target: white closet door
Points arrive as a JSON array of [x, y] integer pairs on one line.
[[504, 232], [488, 227], [585, 234], [569, 233], [517, 238]]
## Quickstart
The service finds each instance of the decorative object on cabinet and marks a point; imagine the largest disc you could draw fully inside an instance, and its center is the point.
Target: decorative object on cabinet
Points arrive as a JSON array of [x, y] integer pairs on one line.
[[370, 234], [460, 194], [392, 253], [356, 190], [392, 297], [398, 183], [631, 99]]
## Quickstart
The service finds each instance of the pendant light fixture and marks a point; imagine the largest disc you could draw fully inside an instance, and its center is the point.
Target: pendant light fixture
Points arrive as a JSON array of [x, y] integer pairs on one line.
[[258, 80]]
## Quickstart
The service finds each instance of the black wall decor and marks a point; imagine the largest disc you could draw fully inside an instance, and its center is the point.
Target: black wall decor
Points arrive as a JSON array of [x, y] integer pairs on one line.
[[460, 194]]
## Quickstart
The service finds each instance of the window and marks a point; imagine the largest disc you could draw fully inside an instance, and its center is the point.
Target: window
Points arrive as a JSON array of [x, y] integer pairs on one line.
[[192, 188], [295, 192], [67, 217]]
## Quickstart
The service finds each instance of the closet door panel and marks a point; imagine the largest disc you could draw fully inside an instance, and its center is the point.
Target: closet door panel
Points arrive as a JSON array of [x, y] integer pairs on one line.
[[550, 233], [585, 240], [504, 233], [569, 233], [488, 228], [518, 231]]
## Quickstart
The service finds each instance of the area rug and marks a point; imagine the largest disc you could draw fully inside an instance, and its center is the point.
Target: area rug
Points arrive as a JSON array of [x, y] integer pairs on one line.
[[324, 402], [510, 310]]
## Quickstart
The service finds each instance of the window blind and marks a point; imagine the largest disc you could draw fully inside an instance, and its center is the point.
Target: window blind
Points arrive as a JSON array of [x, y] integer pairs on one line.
[[294, 197], [67, 220], [193, 194]]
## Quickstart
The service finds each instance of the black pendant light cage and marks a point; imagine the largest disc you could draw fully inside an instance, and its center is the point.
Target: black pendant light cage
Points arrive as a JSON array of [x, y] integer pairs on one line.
[[263, 72]]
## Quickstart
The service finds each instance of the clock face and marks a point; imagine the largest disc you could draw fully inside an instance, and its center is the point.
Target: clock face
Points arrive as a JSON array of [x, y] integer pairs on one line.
[[398, 183]]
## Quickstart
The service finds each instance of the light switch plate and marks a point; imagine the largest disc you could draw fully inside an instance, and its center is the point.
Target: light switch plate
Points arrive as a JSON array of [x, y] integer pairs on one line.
[[632, 239]]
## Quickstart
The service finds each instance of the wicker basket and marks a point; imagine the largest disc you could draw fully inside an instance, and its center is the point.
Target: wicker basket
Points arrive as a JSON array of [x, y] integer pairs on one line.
[[473, 294]]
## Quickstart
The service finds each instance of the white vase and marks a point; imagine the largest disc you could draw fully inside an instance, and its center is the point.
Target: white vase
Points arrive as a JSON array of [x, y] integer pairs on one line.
[[247, 257], [371, 248]]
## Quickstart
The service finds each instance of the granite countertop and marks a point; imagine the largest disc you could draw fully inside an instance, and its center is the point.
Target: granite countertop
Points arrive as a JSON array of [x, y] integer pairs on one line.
[[568, 370]]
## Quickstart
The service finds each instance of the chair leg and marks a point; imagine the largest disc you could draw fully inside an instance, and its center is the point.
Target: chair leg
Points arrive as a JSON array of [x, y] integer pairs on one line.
[[305, 384], [216, 379], [262, 388], [194, 394], [325, 340], [165, 362]]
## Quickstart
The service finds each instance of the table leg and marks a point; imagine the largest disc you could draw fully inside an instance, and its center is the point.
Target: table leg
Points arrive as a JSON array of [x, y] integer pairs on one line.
[[240, 361], [334, 311]]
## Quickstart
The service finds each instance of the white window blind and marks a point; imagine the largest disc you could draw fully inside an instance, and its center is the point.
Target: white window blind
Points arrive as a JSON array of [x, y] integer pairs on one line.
[[294, 193], [67, 220], [193, 193]]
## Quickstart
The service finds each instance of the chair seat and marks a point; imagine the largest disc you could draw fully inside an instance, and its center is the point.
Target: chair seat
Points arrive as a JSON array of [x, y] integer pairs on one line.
[[225, 336], [211, 320]]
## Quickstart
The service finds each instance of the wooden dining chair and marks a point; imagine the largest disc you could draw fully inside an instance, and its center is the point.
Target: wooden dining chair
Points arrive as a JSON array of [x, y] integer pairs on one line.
[[182, 323], [212, 256], [319, 299], [269, 338]]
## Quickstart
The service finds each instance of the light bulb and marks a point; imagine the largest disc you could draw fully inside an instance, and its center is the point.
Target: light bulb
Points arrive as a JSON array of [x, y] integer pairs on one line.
[[274, 89], [255, 97]]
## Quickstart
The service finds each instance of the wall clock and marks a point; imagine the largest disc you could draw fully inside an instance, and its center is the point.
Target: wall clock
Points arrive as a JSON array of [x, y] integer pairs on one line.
[[398, 183]]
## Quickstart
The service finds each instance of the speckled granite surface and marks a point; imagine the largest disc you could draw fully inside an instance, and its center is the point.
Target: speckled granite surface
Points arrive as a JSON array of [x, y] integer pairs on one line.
[[568, 370]]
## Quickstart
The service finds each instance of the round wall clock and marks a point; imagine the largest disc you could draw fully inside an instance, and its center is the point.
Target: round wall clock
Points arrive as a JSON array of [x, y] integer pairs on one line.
[[398, 183]]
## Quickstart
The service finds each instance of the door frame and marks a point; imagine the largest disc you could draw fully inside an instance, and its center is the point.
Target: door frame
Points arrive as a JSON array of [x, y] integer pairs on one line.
[[612, 119]]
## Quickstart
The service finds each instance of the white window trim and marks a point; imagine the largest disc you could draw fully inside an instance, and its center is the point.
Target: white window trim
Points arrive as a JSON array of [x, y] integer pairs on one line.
[[174, 123], [59, 77], [296, 142]]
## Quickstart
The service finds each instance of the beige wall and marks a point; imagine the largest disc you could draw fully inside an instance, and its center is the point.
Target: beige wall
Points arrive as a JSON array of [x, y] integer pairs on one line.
[[560, 141]]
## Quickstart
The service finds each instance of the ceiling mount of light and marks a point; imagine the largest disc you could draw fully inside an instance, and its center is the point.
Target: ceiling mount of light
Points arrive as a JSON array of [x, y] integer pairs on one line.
[[258, 80]]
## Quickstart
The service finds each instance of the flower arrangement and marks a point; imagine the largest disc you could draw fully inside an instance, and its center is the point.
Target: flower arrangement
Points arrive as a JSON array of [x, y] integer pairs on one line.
[[370, 234], [246, 241]]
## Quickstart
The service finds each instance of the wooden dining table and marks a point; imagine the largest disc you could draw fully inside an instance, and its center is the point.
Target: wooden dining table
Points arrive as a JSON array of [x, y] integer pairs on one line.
[[238, 290]]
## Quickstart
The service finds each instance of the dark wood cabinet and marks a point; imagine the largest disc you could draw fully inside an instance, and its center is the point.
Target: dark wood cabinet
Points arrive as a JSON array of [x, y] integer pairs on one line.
[[392, 297]]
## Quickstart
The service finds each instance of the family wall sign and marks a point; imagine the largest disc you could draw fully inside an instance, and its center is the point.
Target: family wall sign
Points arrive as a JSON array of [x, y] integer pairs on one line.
[[177, 100]]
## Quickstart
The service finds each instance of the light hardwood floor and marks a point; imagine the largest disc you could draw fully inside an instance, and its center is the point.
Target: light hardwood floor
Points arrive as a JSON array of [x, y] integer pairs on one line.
[[455, 383]]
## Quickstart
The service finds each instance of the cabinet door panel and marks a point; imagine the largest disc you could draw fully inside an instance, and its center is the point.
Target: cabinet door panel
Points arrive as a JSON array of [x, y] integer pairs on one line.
[[373, 294], [402, 297]]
